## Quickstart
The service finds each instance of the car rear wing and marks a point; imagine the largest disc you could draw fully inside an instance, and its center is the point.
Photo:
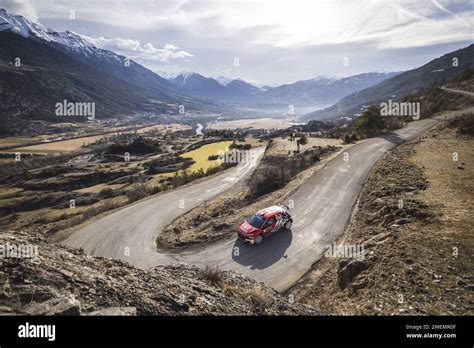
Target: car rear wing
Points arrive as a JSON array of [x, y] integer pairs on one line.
[[283, 206]]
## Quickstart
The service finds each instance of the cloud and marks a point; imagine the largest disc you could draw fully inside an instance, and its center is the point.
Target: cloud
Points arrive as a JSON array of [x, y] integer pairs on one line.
[[438, 5], [276, 41], [21, 7], [135, 50], [289, 24]]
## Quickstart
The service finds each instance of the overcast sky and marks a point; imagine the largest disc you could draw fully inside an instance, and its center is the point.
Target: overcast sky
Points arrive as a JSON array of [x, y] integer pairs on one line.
[[267, 42]]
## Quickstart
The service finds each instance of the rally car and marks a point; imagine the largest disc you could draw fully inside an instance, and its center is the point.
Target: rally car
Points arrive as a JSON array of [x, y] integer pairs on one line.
[[264, 223]]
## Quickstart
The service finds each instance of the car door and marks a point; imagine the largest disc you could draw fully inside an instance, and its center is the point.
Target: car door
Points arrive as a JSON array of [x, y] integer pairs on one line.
[[278, 223], [269, 226]]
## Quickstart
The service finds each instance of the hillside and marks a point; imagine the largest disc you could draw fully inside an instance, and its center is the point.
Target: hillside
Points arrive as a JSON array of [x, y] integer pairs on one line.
[[397, 87], [40, 67], [47, 76], [63, 281]]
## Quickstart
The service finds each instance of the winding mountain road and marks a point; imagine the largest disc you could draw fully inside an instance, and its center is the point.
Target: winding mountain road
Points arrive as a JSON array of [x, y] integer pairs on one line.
[[322, 209]]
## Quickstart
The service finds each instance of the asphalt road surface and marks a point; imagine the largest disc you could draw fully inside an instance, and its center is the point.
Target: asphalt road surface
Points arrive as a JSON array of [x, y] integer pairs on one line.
[[322, 209]]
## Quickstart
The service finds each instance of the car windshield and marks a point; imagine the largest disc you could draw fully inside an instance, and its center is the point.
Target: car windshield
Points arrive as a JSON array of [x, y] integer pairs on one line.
[[256, 221]]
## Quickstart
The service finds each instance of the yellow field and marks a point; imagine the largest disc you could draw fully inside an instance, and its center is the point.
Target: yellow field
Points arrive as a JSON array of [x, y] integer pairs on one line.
[[200, 156]]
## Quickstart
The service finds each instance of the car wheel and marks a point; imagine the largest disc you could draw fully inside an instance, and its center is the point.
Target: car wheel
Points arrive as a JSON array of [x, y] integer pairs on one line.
[[259, 239], [288, 225]]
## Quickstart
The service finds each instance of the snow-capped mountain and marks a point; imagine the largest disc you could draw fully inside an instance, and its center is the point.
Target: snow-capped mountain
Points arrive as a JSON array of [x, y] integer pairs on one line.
[[225, 90], [320, 90], [22, 26], [65, 65], [224, 81], [85, 51], [166, 74], [327, 79]]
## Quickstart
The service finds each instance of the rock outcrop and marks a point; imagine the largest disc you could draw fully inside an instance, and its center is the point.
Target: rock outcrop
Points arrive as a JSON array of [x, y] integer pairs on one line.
[[62, 281]]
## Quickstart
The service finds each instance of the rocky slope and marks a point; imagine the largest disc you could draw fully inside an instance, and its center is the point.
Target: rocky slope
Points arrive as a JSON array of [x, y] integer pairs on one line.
[[61, 281]]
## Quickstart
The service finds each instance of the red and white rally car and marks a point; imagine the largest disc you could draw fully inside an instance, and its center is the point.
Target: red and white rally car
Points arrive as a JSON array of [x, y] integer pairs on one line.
[[264, 223]]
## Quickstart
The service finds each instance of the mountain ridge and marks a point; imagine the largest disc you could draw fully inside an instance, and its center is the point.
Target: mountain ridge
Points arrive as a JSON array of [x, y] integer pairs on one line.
[[408, 82], [54, 66], [318, 90]]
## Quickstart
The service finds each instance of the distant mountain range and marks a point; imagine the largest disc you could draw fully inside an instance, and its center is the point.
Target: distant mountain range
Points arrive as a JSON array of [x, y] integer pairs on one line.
[[318, 91], [322, 90], [437, 70], [40, 67], [224, 90]]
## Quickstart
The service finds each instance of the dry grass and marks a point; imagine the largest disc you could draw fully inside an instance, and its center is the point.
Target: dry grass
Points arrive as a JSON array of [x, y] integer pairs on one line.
[[166, 128], [99, 187], [283, 146], [259, 123], [59, 146], [19, 141], [257, 298], [212, 273], [450, 191]]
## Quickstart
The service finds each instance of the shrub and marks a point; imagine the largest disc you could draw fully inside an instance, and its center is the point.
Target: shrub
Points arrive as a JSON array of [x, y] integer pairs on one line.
[[275, 172], [213, 274], [464, 75], [240, 146], [93, 211], [349, 137], [464, 124], [370, 123], [304, 139], [139, 146], [106, 193], [138, 192]]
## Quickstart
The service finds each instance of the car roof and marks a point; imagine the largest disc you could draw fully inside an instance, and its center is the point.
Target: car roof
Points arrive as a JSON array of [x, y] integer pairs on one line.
[[270, 211]]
